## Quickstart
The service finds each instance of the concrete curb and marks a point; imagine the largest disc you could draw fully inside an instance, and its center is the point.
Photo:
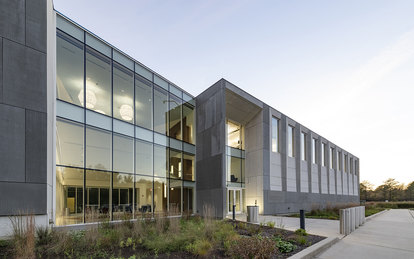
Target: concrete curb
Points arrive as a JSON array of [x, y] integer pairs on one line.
[[376, 214], [315, 249]]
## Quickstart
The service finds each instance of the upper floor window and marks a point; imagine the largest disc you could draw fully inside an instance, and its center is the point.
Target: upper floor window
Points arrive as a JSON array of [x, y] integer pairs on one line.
[[291, 142], [303, 146], [332, 154], [323, 155], [275, 134], [346, 163], [338, 161], [314, 150], [234, 135]]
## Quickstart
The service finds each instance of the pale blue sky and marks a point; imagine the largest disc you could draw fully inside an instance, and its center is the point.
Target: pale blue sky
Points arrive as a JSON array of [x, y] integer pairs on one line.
[[345, 69]]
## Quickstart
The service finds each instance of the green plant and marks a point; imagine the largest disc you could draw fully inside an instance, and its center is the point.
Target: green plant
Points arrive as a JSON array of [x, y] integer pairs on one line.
[[301, 232], [284, 246], [270, 224], [200, 247], [301, 240]]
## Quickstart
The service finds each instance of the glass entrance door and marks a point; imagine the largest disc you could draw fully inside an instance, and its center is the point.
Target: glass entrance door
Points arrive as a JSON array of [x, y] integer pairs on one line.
[[235, 198]]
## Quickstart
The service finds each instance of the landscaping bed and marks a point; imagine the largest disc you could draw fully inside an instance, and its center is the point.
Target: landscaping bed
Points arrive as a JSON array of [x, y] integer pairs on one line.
[[159, 238]]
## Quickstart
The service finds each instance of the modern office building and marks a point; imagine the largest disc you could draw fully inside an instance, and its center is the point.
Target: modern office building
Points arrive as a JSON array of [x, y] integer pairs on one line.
[[88, 134]]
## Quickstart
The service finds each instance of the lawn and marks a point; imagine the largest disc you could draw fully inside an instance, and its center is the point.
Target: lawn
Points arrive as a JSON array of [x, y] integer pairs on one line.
[[158, 238], [371, 208]]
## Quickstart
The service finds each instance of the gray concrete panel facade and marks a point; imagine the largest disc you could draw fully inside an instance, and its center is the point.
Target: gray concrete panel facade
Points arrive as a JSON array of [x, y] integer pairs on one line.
[[23, 93], [276, 181]]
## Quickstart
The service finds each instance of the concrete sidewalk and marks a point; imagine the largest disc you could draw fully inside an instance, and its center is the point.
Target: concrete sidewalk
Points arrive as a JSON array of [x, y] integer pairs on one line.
[[320, 227], [389, 235]]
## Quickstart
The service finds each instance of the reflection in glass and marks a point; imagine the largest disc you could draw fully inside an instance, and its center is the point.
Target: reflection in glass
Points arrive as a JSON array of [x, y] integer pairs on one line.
[[69, 68], [123, 93], [234, 135], [143, 102], [234, 169], [98, 149], [143, 195], [175, 197], [123, 154], [160, 195], [275, 135], [98, 83], [188, 167], [314, 150], [323, 155], [188, 124], [175, 117], [291, 145], [122, 193], [160, 161], [69, 143], [98, 207], [175, 164], [69, 196], [303, 146], [160, 111], [143, 157]]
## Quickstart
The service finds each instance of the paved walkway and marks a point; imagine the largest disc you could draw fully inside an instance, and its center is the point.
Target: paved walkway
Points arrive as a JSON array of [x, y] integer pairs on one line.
[[320, 227], [389, 235]]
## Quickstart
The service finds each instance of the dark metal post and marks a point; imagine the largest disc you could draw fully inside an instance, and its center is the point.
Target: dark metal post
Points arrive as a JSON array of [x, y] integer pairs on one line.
[[234, 212], [302, 219]]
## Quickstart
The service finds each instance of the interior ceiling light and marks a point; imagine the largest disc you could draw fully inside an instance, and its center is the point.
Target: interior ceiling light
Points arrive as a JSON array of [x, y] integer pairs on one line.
[[126, 111], [90, 98]]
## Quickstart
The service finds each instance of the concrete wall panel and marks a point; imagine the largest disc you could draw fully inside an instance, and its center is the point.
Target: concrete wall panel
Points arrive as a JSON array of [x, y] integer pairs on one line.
[[36, 24], [24, 77], [12, 148], [22, 198], [36, 147], [12, 20]]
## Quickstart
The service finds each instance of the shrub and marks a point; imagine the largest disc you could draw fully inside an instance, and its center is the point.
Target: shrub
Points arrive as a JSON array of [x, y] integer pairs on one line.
[[252, 247], [301, 240], [23, 235], [200, 247], [284, 246], [301, 232], [270, 224]]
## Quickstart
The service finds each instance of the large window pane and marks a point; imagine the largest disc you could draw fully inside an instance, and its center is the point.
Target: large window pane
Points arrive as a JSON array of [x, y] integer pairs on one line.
[[275, 135], [143, 157], [175, 164], [314, 150], [160, 161], [122, 194], [303, 146], [160, 111], [98, 83], [160, 195], [291, 142], [123, 94], [123, 154], [143, 102], [69, 196], [188, 167], [234, 169], [175, 197], [98, 149], [69, 143], [98, 186], [175, 105], [324, 161], [235, 135], [143, 194], [69, 68], [188, 124]]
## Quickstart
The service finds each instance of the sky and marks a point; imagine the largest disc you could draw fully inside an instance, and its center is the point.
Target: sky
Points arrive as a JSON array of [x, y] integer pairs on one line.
[[344, 69]]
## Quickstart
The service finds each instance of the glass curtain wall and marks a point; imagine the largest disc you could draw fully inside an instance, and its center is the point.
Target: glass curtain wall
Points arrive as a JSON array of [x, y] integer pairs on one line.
[[101, 174]]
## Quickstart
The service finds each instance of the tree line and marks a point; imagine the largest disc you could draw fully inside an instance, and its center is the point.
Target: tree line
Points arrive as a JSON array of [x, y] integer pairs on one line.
[[390, 190]]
